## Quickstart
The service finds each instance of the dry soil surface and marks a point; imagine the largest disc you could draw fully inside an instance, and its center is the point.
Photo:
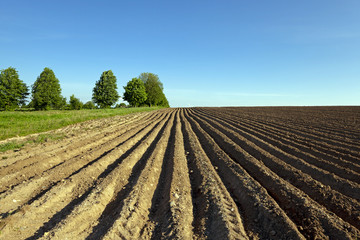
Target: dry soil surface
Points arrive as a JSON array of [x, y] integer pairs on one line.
[[193, 173]]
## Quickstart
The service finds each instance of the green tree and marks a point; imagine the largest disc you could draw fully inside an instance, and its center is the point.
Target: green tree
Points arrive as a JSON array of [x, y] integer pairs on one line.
[[63, 104], [46, 91], [120, 105], [135, 93], [104, 92], [30, 104], [154, 90], [75, 103], [13, 91], [89, 105], [163, 101]]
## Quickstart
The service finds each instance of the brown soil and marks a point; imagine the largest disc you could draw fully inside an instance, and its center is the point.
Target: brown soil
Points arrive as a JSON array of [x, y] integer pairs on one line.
[[193, 173]]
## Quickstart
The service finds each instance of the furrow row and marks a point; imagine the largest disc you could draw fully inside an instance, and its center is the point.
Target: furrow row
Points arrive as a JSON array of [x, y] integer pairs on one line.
[[314, 221], [121, 196], [345, 207], [321, 150], [263, 218], [193, 173], [73, 139], [30, 167], [272, 155], [33, 188], [333, 156], [44, 213], [215, 212], [317, 136], [268, 139], [331, 122], [172, 210]]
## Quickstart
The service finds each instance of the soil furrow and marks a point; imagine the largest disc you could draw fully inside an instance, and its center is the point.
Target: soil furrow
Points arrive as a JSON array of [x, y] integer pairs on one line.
[[72, 141], [302, 134], [193, 173], [19, 172], [345, 207], [336, 121], [307, 145], [254, 136], [94, 205], [125, 204], [27, 156], [313, 220], [319, 138], [62, 198], [30, 190], [215, 212], [172, 205], [263, 217], [270, 154], [350, 147], [333, 133], [329, 154]]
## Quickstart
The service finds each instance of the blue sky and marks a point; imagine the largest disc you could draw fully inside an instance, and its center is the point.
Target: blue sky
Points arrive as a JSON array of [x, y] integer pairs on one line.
[[206, 53]]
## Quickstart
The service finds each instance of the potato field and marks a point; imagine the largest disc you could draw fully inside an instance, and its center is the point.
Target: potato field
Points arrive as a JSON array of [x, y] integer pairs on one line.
[[190, 173]]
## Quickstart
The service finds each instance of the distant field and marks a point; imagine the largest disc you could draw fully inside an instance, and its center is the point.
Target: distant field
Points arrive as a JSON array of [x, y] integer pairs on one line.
[[21, 123]]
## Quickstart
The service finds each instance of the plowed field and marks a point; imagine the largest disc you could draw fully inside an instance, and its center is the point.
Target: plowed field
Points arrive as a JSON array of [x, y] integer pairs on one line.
[[195, 173]]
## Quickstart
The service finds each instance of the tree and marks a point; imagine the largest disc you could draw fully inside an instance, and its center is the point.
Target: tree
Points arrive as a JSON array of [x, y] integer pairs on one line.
[[135, 92], [104, 92], [13, 91], [154, 90], [120, 105], [89, 105], [46, 91], [163, 101], [75, 103], [63, 104], [30, 104]]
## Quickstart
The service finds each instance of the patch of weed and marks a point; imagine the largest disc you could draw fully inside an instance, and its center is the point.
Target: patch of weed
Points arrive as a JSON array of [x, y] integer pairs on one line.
[[11, 146], [39, 139], [48, 137]]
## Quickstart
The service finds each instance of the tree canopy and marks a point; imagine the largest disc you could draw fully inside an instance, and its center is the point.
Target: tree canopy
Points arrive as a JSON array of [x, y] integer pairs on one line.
[[135, 93], [13, 91], [75, 103], [163, 101], [46, 91], [104, 92], [89, 105], [154, 90], [147, 89]]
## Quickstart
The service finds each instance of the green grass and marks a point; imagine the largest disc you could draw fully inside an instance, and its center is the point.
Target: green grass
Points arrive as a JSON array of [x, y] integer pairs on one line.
[[11, 145], [17, 144], [21, 123]]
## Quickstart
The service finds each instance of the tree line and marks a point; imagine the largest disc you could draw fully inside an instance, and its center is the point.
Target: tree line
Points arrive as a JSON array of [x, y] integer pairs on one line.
[[145, 90]]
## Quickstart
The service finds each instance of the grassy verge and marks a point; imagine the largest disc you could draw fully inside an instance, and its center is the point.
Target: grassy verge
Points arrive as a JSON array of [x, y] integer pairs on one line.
[[38, 139], [18, 123]]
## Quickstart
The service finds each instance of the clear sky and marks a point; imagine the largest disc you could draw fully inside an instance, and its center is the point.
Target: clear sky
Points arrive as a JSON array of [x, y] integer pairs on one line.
[[206, 53]]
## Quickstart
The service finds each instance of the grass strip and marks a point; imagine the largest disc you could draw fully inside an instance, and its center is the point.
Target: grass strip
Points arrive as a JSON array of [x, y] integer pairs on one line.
[[17, 144], [22, 123]]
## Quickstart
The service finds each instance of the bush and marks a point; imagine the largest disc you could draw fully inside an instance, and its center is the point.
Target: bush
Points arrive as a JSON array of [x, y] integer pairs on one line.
[[121, 105], [89, 105], [75, 103]]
